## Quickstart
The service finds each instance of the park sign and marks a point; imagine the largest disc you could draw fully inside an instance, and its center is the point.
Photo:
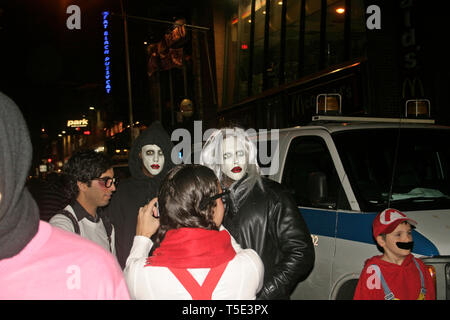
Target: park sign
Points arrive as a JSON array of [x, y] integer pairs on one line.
[[77, 123]]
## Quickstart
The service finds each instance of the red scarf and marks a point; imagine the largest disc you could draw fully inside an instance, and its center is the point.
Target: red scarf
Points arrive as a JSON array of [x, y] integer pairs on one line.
[[193, 248]]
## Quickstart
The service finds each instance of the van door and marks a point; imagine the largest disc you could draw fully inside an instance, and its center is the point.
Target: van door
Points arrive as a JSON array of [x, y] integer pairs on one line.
[[309, 173]]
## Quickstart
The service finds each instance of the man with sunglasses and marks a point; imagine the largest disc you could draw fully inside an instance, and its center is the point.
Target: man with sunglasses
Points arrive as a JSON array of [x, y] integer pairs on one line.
[[90, 184]]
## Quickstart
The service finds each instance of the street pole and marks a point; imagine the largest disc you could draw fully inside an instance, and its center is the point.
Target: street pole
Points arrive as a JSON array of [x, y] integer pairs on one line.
[[190, 26], [152, 20], [127, 62]]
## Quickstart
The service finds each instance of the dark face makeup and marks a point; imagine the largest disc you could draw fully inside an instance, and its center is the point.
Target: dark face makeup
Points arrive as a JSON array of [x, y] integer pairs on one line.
[[405, 245]]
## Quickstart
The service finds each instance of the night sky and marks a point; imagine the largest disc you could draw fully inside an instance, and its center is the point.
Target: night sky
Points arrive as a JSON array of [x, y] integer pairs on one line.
[[55, 74], [48, 69], [43, 62]]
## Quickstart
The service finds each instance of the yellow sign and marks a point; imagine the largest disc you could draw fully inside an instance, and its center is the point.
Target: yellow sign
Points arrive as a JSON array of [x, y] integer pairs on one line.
[[412, 85], [77, 123]]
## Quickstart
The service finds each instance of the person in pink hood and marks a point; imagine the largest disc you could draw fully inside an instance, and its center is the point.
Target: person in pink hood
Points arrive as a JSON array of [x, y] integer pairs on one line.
[[396, 274], [38, 261]]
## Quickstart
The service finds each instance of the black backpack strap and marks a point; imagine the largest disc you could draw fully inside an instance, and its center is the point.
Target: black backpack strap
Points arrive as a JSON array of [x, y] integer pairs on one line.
[[69, 215], [108, 227]]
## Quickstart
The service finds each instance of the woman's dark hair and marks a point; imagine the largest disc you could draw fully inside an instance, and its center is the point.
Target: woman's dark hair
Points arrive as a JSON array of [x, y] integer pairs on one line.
[[84, 166], [180, 198]]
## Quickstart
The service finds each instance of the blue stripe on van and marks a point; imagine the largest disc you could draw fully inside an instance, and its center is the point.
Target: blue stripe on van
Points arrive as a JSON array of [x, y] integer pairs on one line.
[[356, 227]]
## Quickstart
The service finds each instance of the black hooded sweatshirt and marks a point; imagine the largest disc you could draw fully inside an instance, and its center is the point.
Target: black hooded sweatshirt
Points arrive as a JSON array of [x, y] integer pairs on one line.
[[137, 190]]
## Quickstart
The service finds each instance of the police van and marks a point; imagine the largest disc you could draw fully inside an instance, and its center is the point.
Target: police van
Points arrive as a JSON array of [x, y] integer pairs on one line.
[[343, 171]]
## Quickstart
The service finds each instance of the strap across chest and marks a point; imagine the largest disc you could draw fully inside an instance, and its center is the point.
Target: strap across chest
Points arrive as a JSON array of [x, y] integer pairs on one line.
[[204, 291], [389, 295]]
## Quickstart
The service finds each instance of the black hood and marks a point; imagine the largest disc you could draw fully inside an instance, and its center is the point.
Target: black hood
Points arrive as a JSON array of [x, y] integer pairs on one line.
[[19, 213], [154, 134]]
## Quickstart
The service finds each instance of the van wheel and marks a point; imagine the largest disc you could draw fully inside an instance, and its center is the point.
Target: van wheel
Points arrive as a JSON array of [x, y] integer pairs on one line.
[[347, 290]]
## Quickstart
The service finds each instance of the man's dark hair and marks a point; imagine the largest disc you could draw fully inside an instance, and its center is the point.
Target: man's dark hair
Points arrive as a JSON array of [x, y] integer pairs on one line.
[[84, 166]]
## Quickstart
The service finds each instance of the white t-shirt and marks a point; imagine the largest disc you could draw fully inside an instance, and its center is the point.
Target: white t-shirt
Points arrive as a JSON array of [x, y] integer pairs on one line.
[[89, 229], [241, 280]]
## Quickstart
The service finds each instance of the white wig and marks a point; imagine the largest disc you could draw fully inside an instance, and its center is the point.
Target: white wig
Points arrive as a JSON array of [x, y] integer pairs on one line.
[[212, 157]]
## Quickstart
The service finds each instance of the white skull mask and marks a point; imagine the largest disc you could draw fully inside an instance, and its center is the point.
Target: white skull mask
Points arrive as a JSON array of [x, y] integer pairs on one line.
[[235, 160], [153, 158]]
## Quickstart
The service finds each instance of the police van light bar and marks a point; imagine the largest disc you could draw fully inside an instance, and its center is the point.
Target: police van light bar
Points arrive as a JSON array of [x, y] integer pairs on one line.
[[328, 104], [418, 108]]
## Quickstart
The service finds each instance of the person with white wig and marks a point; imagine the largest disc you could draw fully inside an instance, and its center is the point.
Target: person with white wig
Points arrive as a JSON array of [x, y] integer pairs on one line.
[[260, 214]]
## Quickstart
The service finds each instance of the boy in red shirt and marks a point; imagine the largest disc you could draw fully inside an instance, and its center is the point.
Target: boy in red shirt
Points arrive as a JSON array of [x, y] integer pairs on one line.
[[395, 275]]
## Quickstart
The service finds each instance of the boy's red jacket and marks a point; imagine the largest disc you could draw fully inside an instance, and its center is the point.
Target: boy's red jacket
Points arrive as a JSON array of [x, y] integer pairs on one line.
[[403, 280]]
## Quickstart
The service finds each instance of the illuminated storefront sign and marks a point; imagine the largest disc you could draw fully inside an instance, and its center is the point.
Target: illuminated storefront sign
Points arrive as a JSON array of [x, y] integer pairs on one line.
[[77, 123], [107, 60]]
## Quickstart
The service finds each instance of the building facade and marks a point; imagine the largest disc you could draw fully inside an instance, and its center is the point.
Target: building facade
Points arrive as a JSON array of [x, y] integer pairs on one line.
[[279, 55]]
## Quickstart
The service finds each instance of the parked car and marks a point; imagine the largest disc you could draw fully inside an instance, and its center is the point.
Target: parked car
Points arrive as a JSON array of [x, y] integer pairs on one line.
[[343, 171]]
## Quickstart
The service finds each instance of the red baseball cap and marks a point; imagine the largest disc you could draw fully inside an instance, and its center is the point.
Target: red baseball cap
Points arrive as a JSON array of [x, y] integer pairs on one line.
[[387, 220]]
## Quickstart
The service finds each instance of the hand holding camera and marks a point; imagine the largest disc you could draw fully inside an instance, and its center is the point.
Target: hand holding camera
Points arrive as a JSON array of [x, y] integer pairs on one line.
[[148, 219]]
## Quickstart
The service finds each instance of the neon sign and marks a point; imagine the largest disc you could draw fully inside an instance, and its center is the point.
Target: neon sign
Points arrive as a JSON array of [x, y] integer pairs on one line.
[[107, 60], [77, 123]]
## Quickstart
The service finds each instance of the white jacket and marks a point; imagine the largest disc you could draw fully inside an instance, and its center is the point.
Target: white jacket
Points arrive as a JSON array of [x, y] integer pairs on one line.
[[242, 279]]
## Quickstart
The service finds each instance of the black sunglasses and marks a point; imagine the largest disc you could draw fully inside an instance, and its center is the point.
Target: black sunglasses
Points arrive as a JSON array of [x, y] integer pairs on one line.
[[205, 201], [108, 181]]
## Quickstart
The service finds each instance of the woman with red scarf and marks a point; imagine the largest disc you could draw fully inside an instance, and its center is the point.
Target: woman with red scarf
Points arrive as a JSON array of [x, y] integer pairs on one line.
[[195, 257]]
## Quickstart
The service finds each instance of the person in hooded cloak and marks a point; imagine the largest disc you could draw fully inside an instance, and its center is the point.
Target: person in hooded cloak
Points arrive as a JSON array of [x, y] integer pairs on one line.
[[148, 162]]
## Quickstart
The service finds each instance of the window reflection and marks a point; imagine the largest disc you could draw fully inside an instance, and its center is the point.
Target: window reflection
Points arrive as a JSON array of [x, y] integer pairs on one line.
[[312, 36], [335, 45], [358, 29], [258, 55], [231, 50], [293, 16], [273, 56], [317, 37], [244, 44]]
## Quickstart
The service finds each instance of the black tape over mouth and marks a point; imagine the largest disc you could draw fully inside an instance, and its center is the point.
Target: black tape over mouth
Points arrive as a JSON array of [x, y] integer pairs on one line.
[[405, 245]]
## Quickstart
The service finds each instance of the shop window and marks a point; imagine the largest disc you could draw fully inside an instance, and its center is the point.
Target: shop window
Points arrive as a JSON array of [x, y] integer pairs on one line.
[[244, 25], [231, 47], [335, 20], [312, 36], [358, 29], [293, 16], [258, 55], [273, 56]]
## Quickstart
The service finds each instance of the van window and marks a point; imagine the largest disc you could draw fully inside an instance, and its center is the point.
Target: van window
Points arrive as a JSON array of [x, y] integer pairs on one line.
[[267, 149], [310, 175], [418, 178]]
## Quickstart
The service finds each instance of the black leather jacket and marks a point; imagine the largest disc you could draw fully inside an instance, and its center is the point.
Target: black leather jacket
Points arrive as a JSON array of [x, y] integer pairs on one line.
[[270, 223]]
